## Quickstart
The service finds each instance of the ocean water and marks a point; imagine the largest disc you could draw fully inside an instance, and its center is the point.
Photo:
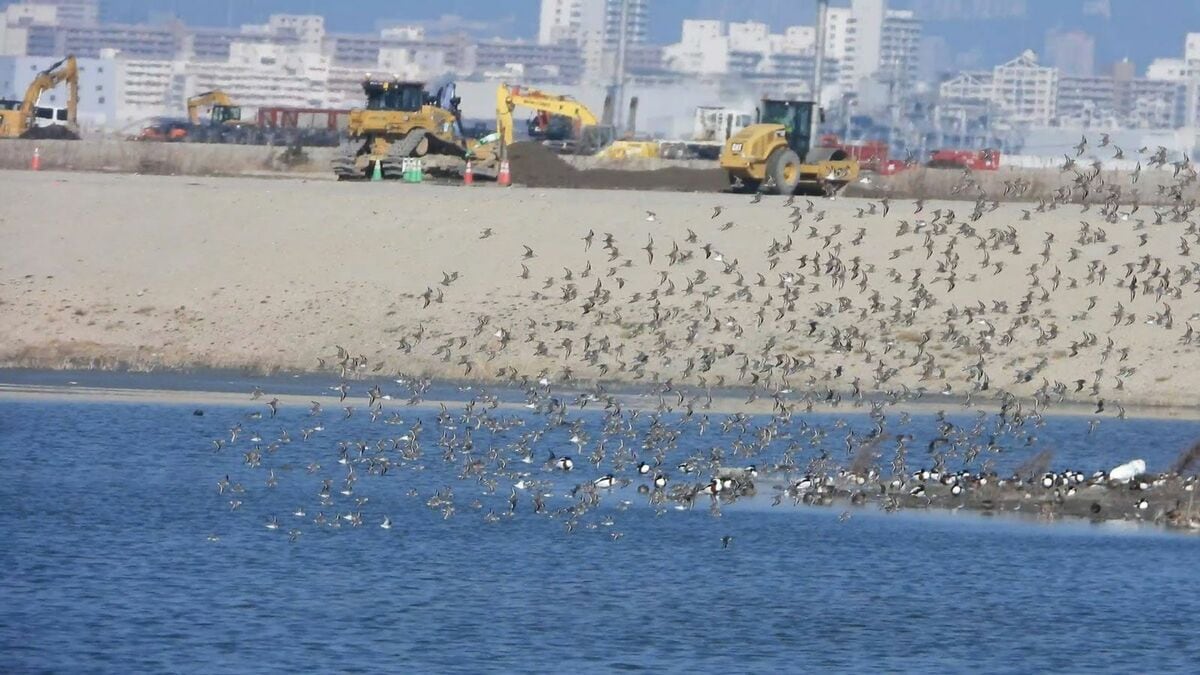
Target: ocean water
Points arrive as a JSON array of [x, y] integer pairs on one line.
[[120, 555]]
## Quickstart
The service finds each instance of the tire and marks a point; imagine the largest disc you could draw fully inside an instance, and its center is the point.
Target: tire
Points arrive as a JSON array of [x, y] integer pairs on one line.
[[783, 171]]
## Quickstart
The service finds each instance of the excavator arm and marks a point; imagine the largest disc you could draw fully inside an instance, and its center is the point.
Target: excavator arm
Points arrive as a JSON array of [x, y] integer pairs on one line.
[[66, 70], [215, 97], [509, 98]]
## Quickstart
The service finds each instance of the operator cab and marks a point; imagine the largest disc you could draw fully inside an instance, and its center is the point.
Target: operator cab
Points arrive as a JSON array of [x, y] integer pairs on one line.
[[222, 114], [394, 95], [796, 118]]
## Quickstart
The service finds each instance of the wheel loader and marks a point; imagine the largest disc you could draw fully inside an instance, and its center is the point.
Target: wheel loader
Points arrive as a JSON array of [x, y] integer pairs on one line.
[[776, 155], [401, 119]]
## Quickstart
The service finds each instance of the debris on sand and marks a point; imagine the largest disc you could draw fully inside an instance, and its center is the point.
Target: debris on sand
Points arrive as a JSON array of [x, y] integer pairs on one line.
[[534, 165]]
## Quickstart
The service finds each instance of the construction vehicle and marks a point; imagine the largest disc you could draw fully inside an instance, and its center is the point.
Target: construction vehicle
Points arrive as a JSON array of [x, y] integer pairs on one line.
[[17, 118], [976, 160], [711, 127], [162, 130], [776, 154], [401, 120], [221, 109], [224, 121], [568, 126], [588, 136], [275, 125]]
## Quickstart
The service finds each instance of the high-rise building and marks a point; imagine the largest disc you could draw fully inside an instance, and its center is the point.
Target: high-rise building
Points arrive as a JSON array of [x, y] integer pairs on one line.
[[1025, 90], [584, 20], [837, 25], [880, 44], [597, 27], [1072, 52], [74, 12]]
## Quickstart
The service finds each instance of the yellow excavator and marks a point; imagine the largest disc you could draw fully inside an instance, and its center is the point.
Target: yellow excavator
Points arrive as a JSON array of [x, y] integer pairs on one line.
[[401, 120], [590, 134], [221, 108], [776, 154], [587, 136], [17, 117]]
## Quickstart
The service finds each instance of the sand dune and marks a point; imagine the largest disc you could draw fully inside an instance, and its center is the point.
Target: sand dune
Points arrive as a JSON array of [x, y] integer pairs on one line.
[[118, 271]]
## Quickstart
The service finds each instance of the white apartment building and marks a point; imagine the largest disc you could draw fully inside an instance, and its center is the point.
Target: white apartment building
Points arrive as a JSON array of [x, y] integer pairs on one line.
[[74, 12], [148, 88], [258, 75], [749, 54], [597, 27], [1185, 72], [1026, 91], [703, 49], [15, 22], [412, 63], [1191, 58], [714, 48], [837, 29], [1172, 70], [1020, 90], [581, 20], [876, 43]]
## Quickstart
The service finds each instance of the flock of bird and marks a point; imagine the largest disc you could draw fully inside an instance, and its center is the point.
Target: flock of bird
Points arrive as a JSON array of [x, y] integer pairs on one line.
[[637, 359]]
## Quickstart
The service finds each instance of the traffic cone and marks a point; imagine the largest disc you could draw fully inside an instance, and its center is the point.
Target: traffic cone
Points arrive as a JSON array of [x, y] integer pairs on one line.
[[377, 171], [418, 170], [35, 164], [505, 177], [469, 175]]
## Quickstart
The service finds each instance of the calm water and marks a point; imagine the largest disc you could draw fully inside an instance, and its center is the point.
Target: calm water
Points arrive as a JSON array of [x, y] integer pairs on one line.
[[107, 509]]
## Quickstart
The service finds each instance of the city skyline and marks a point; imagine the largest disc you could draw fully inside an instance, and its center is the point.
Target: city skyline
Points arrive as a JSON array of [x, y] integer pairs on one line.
[[1121, 29], [886, 72]]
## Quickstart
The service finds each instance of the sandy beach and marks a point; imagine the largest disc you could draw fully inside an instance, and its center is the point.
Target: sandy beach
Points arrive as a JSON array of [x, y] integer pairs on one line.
[[833, 299]]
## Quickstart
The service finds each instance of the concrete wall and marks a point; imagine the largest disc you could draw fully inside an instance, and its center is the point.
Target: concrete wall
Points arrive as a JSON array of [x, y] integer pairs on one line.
[[160, 158]]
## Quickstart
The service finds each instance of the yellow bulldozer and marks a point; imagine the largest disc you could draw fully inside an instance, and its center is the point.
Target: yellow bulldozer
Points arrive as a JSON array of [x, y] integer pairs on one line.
[[17, 118], [776, 154], [401, 119]]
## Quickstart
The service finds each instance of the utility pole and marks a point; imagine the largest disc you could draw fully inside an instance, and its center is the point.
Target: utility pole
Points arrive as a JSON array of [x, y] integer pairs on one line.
[[818, 66], [619, 75]]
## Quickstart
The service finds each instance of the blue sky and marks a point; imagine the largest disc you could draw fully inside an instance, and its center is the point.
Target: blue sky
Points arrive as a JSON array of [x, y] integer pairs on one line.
[[1138, 29]]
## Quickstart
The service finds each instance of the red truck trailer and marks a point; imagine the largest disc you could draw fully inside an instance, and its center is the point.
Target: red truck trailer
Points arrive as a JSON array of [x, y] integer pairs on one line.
[[987, 159]]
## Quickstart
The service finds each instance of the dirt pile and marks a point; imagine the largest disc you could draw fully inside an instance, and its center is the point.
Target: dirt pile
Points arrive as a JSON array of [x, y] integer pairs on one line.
[[535, 166]]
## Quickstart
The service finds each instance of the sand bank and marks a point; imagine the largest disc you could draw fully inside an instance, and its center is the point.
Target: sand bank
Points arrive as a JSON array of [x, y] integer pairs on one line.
[[150, 272]]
